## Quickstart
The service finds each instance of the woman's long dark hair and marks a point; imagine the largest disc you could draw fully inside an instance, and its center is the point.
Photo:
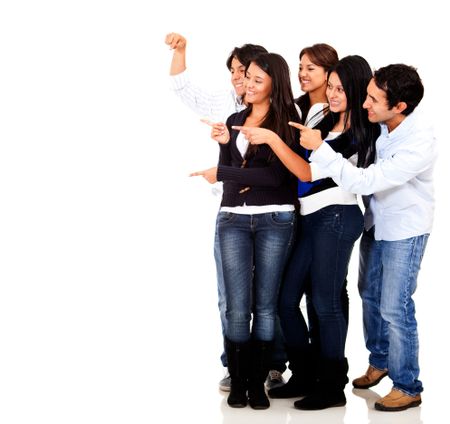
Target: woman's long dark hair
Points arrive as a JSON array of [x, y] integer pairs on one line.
[[355, 74], [282, 107]]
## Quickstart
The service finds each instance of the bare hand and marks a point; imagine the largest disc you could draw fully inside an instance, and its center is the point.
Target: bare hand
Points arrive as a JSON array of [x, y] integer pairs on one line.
[[256, 135], [209, 175], [175, 41], [310, 139], [219, 131]]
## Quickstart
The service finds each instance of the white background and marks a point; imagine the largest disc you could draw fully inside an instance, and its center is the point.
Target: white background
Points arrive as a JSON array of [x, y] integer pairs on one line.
[[107, 282]]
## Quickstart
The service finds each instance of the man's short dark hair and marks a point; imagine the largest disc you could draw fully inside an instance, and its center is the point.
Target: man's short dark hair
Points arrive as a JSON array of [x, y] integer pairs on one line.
[[245, 54], [401, 83]]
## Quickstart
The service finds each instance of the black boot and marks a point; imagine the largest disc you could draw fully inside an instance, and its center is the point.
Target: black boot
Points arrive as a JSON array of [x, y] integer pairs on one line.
[[302, 380], [260, 357], [237, 359], [329, 392]]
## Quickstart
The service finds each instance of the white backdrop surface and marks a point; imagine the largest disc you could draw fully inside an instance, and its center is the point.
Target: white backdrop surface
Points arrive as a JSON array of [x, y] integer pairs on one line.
[[107, 280]]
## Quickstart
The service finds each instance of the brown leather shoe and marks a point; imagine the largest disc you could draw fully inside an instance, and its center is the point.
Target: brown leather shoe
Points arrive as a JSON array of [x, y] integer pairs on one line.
[[372, 377], [396, 400]]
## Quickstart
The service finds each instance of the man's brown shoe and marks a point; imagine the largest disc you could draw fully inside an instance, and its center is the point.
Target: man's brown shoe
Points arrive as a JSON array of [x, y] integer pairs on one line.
[[397, 401], [372, 377]]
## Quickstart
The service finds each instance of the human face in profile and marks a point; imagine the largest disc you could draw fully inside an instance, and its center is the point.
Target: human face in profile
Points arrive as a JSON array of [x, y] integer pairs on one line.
[[377, 105], [237, 71]]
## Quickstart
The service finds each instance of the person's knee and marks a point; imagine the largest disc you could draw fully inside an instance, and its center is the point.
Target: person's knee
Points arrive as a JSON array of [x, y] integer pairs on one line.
[[391, 313], [327, 307], [237, 317]]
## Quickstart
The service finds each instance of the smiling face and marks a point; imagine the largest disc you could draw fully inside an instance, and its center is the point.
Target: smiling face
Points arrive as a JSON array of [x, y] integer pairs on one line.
[[237, 71], [378, 109], [377, 105], [311, 76], [336, 94], [258, 85]]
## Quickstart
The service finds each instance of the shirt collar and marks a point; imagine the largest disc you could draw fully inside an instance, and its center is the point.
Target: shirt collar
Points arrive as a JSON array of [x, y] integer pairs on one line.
[[404, 126]]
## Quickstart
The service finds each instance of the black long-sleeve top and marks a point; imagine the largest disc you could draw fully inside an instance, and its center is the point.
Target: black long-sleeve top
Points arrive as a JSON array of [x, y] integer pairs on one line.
[[264, 180]]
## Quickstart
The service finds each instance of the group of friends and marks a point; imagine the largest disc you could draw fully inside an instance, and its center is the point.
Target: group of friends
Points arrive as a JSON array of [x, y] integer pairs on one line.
[[292, 170]]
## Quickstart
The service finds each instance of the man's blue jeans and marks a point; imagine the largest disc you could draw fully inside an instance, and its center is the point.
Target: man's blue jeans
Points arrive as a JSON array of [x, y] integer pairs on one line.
[[388, 273], [253, 250]]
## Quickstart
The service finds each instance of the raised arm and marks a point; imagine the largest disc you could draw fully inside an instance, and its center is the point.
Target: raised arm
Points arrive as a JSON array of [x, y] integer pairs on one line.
[[177, 43], [214, 104]]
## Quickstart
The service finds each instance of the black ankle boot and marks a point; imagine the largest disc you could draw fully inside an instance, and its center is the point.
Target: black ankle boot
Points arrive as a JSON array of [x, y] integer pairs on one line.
[[260, 357], [237, 359], [322, 400], [330, 386], [302, 380], [294, 388]]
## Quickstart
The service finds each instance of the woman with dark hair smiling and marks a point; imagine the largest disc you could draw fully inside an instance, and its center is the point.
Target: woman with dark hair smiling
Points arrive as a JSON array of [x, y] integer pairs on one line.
[[315, 63], [218, 105], [255, 225], [330, 223]]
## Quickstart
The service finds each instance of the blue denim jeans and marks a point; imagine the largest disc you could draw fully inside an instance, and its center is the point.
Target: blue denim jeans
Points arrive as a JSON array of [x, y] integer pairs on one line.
[[321, 253], [253, 249], [388, 273], [220, 289], [279, 356]]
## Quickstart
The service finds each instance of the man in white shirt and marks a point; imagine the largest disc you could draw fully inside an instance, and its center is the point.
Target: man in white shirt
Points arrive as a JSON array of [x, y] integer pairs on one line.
[[218, 106], [398, 221], [215, 105]]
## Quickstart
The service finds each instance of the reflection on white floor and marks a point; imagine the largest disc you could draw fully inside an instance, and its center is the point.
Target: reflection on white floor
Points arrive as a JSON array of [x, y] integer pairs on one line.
[[135, 338], [203, 401], [359, 410]]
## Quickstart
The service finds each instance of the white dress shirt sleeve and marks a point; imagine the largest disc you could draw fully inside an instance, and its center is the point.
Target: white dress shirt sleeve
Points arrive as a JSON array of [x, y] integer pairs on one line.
[[215, 105]]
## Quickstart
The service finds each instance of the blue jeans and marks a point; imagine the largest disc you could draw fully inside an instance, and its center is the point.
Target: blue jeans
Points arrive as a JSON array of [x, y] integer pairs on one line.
[[220, 289], [388, 273], [254, 249], [322, 253], [279, 356]]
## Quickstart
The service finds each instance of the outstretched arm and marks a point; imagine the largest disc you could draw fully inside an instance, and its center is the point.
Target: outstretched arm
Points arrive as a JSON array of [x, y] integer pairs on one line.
[[219, 131], [209, 175], [407, 162], [291, 160]]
